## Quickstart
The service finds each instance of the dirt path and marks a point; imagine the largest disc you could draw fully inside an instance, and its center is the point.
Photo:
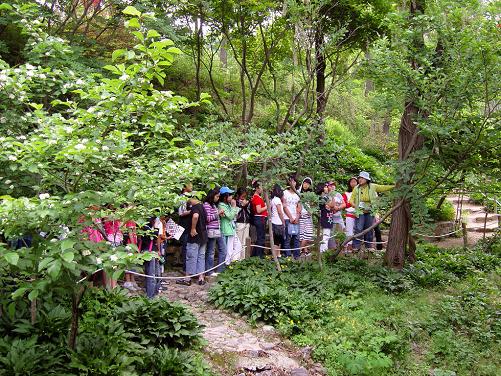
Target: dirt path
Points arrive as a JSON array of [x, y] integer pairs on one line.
[[236, 348]]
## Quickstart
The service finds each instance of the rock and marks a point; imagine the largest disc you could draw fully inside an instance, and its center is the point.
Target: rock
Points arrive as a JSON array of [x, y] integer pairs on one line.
[[319, 369], [306, 352], [267, 345], [252, 353], [268, 329], [301, 371], [265, 373]]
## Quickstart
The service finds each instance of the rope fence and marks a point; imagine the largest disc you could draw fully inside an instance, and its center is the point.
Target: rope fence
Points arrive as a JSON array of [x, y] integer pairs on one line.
[[233, 256]]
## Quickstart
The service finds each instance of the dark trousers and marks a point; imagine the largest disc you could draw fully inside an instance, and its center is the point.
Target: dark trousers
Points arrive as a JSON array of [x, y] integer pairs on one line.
[[379, 238], [184, 240], [363, 222], [291, 241], [260, 223], [152, 268]]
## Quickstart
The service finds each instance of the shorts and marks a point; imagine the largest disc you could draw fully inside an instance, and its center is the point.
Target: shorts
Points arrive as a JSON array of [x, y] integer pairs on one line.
[[278, 234]]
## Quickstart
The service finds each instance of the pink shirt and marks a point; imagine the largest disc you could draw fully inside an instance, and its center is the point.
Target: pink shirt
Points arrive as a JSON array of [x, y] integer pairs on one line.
[[113, 232]]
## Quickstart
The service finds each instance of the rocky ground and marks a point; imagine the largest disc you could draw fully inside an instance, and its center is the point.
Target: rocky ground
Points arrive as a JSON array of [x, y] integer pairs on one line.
[[234, 347]]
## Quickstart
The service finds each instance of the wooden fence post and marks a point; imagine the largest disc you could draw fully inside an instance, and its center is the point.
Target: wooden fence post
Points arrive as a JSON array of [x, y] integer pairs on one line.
[[465, 235], [247, 247]]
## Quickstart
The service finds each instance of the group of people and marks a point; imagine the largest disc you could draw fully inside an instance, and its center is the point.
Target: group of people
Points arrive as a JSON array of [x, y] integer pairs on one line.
[[223, 220], [222, 223]]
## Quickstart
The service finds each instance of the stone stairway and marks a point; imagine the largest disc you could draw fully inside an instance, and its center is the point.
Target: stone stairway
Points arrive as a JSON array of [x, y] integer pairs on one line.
[[478, 219]]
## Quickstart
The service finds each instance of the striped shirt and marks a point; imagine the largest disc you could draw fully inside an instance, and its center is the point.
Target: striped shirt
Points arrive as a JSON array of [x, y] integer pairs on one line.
[[212, 216]]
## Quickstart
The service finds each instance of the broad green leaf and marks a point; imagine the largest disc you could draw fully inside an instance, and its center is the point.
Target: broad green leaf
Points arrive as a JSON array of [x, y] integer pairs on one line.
[[33, 295], [43, 264], [139, 36], [54, 269], [67, 244], [68, 256], [117, 53], [117, 274], [19, 292], [174, 50], [5, 6], [131, 11], [12, 258], [133, 23], [153, 34]]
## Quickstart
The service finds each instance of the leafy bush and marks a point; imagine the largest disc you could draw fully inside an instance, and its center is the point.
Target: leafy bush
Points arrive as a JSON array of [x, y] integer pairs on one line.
[[29, 356], [105, 348], [159, 322], [165, 361], [435, 266], [355, 327], [446, 212]]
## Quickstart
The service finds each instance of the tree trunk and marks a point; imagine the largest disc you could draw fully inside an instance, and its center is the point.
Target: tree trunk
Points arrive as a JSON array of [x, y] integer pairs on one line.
[[223, 53], [320, 65], [75, 313], [409, 140], [198, 60]]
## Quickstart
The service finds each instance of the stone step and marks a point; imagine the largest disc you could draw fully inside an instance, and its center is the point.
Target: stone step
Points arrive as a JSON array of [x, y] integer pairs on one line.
[[481, 229], [481, 218]]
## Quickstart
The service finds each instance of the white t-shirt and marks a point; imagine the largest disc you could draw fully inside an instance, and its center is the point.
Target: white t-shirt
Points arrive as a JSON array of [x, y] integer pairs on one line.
[[275, 218], [338, 199], [290, 201]]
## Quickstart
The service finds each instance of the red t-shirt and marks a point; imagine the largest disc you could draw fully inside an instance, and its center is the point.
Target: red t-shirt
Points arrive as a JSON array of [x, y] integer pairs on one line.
[[255, 201]]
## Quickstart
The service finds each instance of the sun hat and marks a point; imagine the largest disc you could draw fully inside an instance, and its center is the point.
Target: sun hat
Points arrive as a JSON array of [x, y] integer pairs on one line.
[[365, 175], [224, 190]]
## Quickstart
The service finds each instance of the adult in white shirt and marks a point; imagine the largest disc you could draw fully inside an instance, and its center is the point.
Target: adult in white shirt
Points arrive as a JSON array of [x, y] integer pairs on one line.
[[277, 219], [292, 212]]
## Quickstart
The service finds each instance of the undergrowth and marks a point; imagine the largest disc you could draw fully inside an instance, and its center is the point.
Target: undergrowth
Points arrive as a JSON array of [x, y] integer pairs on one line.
[[439, 316]]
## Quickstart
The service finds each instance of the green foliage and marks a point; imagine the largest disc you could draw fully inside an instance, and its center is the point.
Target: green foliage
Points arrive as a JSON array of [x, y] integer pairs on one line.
[[363, 319], [162, 323], [28, 356], [446, 212], [435, 266], [118, 334], [165, 361]]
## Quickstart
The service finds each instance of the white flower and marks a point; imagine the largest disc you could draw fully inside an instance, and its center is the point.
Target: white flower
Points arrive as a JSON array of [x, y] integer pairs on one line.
[[130, 254], [124, 77], [127, 247], [11, 186], [21, 137], [68, 129], [79, 146], [12, 158], [86, 252], [43, 196], [53, 240], [113, 257], [106, 148], [98, 261], [79, 82], [8, 181]]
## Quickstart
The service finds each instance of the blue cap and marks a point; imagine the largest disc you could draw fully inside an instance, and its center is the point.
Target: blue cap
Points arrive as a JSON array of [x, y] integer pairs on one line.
[[224, 190]]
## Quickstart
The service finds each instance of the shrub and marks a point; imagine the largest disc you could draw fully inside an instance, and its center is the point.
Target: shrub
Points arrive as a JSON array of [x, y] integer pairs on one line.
[[165, 361], [157, 322], [446, 212], [28, 356]]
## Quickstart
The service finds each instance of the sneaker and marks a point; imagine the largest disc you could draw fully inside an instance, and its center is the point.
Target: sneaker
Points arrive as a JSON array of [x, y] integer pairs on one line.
[[183, 282]]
